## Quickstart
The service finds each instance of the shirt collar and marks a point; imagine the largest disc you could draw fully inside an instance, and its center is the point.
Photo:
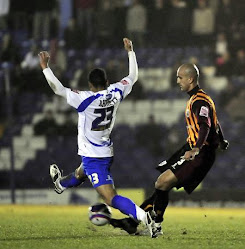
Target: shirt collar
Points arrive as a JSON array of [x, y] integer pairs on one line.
[[194, 90]]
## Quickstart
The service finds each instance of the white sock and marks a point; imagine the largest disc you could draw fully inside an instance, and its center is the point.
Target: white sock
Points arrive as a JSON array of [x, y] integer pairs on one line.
[[140, 213]]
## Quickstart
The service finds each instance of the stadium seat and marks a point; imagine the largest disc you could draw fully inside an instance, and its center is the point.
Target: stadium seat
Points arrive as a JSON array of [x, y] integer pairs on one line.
[[27, 130], [127, 106], [60, 118], [20, 142], [217, 83], [37, 117], [161, 105], [5, 159], [143, 106], [38, 142], [49, 106]]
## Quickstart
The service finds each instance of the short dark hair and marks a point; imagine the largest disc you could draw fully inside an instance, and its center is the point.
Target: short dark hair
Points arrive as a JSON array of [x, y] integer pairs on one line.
[[192, 70], [97, 77]]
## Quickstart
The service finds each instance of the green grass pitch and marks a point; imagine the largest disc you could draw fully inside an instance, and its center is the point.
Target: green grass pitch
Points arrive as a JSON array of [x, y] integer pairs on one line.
[[59, 227]]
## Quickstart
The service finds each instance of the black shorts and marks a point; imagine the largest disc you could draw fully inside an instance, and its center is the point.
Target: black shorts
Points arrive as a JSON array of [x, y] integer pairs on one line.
[[190, 173]]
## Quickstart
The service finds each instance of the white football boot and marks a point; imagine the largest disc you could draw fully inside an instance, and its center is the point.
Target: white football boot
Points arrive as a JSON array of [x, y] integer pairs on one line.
[[56, 177], [150, 224], [158, 228]]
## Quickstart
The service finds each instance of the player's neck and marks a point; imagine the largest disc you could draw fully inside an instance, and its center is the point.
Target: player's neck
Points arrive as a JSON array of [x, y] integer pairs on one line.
[[98, 89]]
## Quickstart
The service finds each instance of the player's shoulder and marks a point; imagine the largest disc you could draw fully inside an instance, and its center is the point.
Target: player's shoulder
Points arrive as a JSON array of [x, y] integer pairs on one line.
[[81, 93], [202, 93], [74, 90], [120, 84]]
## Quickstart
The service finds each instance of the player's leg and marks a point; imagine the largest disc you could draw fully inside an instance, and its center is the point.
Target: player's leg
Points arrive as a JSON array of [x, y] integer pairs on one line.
[[98, 172], [165, 182], [159, 199], [130, 225], [126, 206], [72, 180], [147, 205]]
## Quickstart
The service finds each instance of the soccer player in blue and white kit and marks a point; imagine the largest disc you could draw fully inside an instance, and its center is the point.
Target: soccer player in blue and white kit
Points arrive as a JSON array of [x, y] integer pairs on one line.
[[96, 116]]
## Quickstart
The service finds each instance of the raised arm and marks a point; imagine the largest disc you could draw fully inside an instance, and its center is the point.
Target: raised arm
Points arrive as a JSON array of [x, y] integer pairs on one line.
[[53, 82], [133, 65], [224, 144]]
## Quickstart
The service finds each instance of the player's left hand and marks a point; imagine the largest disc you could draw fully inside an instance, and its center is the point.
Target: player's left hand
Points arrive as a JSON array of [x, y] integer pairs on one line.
[[128, 45], [224, 145], [44, 59]]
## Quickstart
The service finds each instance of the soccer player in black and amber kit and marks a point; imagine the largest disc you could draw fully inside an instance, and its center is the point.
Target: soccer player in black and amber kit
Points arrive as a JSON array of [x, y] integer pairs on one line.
[[188, 166]]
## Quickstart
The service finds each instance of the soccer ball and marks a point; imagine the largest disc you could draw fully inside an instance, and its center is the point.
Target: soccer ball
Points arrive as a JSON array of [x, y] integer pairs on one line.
[[99, 214]]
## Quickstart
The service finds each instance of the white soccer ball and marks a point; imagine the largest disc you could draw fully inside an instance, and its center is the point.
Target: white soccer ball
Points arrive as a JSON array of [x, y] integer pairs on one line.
[[99, 214]]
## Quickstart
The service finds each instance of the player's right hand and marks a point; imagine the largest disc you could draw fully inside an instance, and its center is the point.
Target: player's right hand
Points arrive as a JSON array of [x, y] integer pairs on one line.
[[190, 154], [44, 59], [128, 45], [224, 145]]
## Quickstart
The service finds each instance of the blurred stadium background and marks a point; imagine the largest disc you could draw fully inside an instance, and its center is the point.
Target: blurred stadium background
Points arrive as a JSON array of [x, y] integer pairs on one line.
[[37, 128]]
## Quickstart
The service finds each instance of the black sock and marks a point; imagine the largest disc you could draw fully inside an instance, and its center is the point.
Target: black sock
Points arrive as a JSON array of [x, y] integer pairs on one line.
[[160, 204], [147, 205]]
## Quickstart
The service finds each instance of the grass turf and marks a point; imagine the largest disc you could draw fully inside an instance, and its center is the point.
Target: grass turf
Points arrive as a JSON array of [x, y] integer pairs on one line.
[[59, 227]]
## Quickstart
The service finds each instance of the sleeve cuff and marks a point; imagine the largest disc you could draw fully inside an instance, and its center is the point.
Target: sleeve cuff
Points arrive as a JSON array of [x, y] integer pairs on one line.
[[47, 69], [131, 52]]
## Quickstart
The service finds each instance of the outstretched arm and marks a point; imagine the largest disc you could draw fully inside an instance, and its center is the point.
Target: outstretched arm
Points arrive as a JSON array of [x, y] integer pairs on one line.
[[53, 82], [133, 65], [224, 144]]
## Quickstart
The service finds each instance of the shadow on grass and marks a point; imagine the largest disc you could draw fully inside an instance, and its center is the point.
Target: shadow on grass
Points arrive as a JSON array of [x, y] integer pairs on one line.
[[42, 238]]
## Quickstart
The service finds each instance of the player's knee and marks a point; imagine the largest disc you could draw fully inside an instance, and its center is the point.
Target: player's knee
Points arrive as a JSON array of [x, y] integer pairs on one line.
[[79, 173], [166, 181], [158, 184], [161, 184]]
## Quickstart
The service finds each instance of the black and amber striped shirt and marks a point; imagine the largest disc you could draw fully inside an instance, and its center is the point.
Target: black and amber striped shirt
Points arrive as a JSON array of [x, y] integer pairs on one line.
[[200, 111]]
